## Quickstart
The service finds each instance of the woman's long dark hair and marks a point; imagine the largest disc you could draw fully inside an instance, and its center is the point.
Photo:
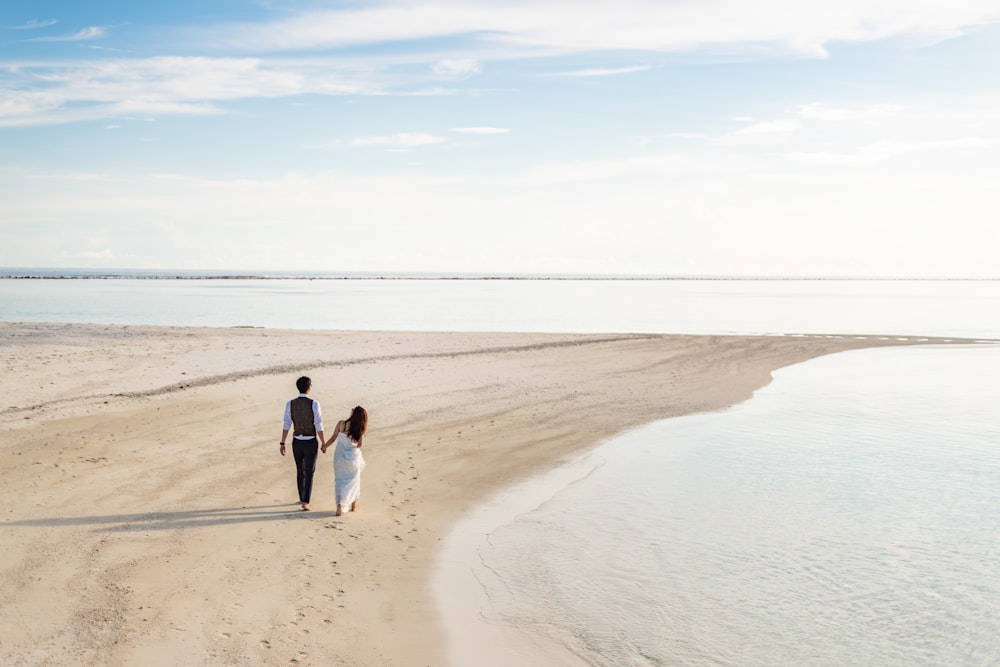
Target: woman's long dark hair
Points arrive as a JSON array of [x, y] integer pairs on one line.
[[358, 424]]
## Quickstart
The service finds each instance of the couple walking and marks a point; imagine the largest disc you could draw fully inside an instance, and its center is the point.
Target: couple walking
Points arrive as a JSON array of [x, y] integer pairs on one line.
[[304, 418]]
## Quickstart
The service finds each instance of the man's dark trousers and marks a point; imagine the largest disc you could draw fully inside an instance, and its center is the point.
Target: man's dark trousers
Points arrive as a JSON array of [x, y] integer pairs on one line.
[[305, 453]]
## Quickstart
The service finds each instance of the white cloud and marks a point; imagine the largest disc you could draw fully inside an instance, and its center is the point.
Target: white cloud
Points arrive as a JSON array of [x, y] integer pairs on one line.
[[33, 94], [786, 26], [582, 171], [706, 214], [738, 211], [886, 150], [160, 85], [89, 255], [481, 130], [764, 132], [33, 25], [93, 32], [400, 140], [457, 67], [770, 127], [819, 111], [609, 71]]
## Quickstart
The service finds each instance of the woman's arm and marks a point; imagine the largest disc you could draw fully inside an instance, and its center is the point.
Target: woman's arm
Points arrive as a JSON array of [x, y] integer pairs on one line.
[[336, 429]]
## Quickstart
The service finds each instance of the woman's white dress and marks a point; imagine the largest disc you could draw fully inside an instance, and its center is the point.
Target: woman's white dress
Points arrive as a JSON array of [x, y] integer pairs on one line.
[[347, 466]]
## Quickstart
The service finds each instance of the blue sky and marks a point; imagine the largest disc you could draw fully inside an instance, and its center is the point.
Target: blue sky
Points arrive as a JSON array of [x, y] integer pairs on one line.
[[723, 137]]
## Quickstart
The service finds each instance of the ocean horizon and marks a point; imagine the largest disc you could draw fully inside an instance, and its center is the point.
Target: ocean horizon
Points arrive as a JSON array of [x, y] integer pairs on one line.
[[233, 274]]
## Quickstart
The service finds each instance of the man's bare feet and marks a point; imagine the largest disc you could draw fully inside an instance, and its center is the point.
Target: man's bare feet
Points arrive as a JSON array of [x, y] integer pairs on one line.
[[340, 511], [305, 507], [354, 506]]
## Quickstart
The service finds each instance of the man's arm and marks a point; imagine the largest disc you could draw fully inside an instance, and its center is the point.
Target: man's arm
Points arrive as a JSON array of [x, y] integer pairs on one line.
[[286, 424], [318, 422]]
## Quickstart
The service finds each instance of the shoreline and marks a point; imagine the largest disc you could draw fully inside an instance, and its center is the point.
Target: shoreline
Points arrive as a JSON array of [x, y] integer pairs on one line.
[[147, 501], [460, 594], [501, 600]]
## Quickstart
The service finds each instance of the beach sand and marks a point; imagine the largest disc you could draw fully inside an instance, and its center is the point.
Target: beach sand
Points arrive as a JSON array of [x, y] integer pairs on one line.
[[147, 517]]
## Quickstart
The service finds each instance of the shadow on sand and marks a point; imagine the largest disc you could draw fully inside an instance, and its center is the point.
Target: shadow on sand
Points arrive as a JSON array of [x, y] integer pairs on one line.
[[175, 520]]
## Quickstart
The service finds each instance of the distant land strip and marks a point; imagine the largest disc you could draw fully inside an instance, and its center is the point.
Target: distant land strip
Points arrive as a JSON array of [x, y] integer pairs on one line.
[[166, 274]]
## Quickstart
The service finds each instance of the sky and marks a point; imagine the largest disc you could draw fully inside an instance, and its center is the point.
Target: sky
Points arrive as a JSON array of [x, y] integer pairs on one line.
[[672, 137]]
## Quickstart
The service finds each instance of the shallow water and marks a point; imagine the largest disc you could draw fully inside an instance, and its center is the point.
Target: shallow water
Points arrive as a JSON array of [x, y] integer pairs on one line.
[[848, 514]]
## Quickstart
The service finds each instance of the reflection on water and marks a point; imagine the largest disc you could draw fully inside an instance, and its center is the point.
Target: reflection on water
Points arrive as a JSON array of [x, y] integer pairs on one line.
[[849, 514]]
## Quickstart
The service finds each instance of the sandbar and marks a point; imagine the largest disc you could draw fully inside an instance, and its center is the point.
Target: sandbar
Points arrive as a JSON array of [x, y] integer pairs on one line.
[[147, 517]]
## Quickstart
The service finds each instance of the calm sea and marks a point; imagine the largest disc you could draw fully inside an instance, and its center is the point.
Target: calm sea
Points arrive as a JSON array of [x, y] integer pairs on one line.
[[932, 308], [848, 514]]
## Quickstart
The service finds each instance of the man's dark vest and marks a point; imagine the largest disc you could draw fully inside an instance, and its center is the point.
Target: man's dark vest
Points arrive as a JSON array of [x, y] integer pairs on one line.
[[302, 416]]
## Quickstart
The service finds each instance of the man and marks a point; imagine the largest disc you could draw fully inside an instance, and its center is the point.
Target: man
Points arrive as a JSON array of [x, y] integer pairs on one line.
[[305, 415]]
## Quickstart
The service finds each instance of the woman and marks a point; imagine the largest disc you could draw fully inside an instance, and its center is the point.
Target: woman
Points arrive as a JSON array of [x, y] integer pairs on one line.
[[347, 459]]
